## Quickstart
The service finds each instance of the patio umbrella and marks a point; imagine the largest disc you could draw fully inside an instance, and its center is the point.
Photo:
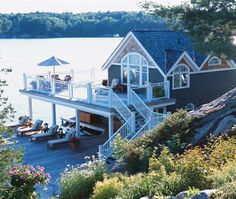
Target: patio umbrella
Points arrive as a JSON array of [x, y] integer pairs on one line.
[[53, 61]]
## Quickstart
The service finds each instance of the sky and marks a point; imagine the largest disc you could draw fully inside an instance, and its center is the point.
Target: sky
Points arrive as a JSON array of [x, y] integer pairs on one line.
[[75, 6]]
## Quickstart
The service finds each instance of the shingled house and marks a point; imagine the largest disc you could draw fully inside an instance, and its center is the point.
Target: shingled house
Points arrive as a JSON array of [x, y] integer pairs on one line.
[[146, 60], [149, 73]]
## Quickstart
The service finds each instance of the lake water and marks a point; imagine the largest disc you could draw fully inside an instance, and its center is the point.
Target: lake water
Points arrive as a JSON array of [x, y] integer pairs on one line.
[[23, 55]]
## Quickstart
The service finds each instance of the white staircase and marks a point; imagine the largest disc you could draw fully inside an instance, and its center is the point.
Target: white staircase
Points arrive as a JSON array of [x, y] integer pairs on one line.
[[138, 118]]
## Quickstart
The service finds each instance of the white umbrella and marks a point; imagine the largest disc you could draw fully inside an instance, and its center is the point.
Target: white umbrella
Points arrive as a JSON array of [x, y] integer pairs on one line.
[[53, 61]]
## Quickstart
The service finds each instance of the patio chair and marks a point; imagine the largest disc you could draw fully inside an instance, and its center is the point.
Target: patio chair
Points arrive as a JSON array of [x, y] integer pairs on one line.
[[114, 84], [67, 78], [23, 121], [58, 142], [35, 128], [50, 134]]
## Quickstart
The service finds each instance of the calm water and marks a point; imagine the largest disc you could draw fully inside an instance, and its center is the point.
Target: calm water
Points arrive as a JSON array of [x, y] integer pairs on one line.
[[23, 55]]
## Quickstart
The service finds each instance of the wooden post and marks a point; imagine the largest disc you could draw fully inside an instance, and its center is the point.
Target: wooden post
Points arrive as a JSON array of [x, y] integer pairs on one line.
[[149, 93], [53, 86], [72, 75], [24, 81], [54, 119], [77, 113], [133, 123], [128, 95], [37, 83], [30, 107], [110, 125], [89, 93], [70, 87], [167, 89], [110, 97]]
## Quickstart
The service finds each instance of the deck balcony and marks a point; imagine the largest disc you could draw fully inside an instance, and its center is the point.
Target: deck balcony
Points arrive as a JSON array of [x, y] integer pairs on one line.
[[87, 92]]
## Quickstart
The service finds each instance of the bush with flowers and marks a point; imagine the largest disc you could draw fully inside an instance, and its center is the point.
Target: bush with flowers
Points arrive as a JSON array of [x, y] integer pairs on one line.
[[24, 178], [78, 182]]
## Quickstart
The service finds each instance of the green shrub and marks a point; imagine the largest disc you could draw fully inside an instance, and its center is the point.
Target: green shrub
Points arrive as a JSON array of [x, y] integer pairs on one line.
[[193, 169], [118, 148], [78, 183], [228, 191], [174, 133], [107, 189], [176, 174], [227, 174], [221, 150], [137, 186]]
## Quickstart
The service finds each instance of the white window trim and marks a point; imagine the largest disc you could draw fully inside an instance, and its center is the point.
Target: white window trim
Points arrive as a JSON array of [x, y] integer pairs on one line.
[[212, 64], [188, 80], [140, 69]]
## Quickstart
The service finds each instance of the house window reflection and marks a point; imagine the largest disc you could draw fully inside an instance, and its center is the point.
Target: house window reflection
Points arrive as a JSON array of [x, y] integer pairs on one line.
[[136, 67]]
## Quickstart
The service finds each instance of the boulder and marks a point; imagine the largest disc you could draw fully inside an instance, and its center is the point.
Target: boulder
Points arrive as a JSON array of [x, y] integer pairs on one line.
[[215, 118], [206, 194]]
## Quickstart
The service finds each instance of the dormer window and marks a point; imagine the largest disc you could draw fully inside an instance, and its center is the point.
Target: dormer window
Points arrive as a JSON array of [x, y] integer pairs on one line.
[[214, 61], [181, 77]]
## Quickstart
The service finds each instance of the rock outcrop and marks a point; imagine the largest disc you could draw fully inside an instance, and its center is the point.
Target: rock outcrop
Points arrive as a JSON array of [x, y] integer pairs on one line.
[[214, 118]]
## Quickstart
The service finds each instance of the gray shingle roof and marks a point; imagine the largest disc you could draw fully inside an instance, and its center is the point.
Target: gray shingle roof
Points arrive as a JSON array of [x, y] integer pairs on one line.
[[166, 46]]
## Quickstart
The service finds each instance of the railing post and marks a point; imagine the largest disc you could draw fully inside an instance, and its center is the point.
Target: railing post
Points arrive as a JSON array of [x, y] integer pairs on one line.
[[100, 152], [149, 93], [110, 97], [128, 95], [24, 81], [70, 87], [72, 75], [37, 83], [53, 91], [133, 122], [89, 93], [167, 89]]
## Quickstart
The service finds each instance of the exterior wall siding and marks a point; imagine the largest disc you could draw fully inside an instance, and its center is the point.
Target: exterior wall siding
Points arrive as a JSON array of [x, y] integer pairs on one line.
[[224, 64], [155, 76], [114, 72], [132, 46], [204, 87]]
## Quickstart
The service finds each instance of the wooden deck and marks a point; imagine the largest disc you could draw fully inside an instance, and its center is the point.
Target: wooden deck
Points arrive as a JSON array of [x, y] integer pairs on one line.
[[55, 161]]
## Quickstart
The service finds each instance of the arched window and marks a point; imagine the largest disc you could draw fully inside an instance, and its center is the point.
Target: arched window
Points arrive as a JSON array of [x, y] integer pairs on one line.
[[134, 68], [181, 77], [214, 61]]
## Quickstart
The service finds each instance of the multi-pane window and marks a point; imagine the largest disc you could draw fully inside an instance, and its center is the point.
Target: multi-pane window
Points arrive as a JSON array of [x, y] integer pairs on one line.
[[181, 77], [136, 67]]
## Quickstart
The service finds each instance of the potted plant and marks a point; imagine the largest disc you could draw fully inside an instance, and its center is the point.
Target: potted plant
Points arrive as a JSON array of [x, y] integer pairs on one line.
[[25, 178], [74, 143]]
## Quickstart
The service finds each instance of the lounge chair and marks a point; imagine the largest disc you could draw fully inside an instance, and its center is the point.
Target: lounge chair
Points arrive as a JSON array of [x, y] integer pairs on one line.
[[23, 121], [57, 142], [50, 134], [35, 128]]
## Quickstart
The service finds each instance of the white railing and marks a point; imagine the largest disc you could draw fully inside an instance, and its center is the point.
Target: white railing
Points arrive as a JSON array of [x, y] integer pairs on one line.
[[139, 105], [124, 131], [153, 91], [157, 118], [120, 107], [142, 131]]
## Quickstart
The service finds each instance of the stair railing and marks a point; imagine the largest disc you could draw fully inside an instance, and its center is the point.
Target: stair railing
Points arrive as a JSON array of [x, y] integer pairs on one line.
[[120, 107], [142, 131], [139, 105], [124, 131]]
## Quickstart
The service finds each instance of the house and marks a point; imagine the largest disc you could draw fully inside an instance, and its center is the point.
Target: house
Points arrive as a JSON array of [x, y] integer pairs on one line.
[[149, 73], [165, 57]]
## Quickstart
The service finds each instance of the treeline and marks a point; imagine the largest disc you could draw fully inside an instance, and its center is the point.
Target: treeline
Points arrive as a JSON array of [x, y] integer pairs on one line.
[[99, 24]]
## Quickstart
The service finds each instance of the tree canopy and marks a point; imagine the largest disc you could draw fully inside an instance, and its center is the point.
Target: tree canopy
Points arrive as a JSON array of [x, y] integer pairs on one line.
[[40, 24], [211, 23]]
